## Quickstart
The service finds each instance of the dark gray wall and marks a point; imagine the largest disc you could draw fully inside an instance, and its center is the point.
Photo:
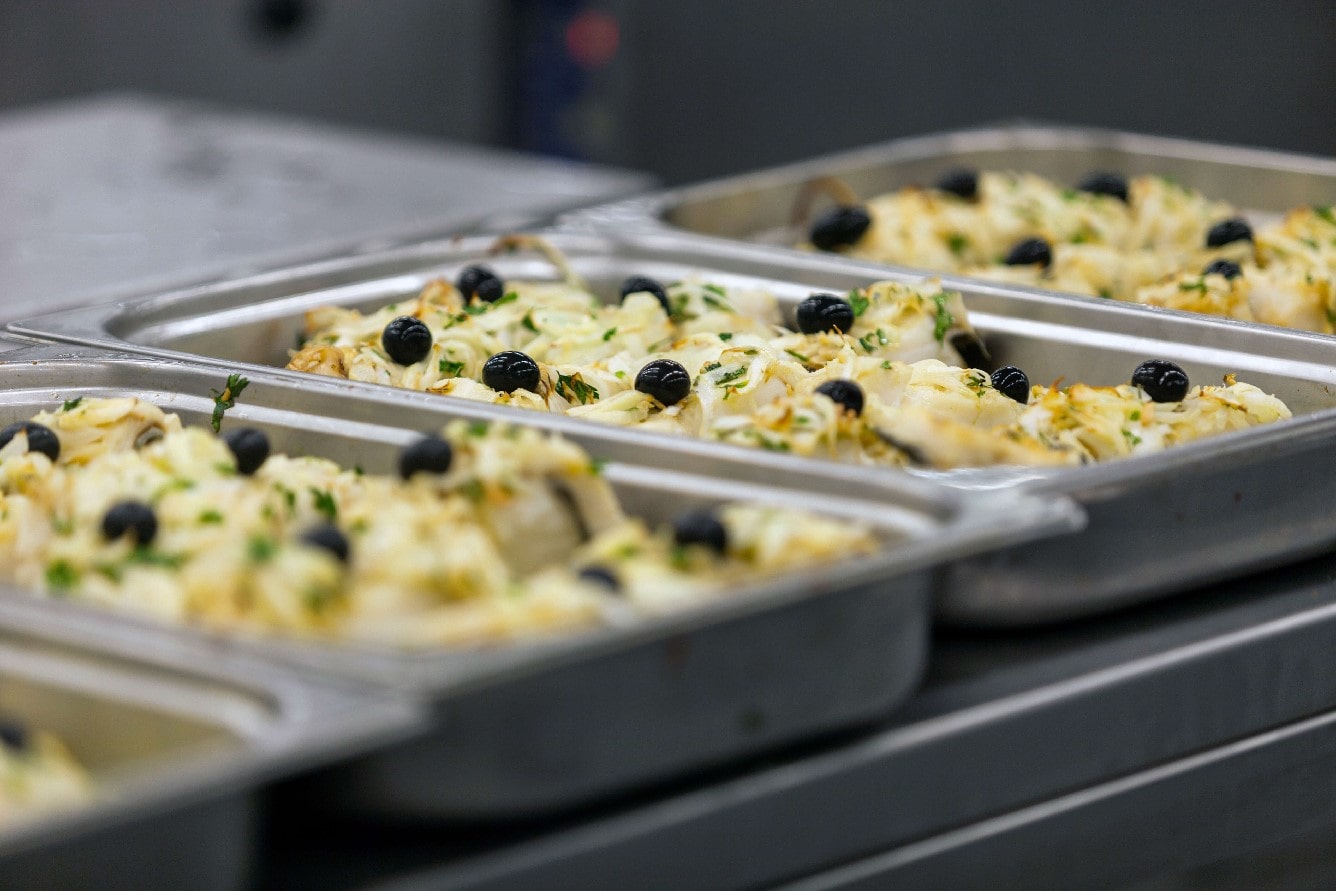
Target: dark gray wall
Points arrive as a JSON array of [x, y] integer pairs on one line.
[[704, 87]]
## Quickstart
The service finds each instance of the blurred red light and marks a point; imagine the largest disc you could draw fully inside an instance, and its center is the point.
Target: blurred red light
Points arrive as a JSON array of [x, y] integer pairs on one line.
[[592, 38]]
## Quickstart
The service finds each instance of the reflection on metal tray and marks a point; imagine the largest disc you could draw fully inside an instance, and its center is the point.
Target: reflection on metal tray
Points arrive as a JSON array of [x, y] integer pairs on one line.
[[1158, 523], [772, 663], [175, 750], [758, 206]]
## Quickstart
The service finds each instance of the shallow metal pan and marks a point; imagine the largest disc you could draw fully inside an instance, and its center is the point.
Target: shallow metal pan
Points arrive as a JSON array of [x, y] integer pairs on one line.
[[1158, 523], [176, 755], [539, 725], [1261, 182]]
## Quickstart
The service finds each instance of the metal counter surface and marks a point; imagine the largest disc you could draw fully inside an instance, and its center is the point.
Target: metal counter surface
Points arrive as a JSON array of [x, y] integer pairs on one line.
[[121, 193], [1005, 722]]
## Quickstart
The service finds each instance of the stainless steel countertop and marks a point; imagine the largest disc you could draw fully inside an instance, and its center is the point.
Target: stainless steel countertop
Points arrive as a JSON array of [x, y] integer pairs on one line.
[[117, 194]]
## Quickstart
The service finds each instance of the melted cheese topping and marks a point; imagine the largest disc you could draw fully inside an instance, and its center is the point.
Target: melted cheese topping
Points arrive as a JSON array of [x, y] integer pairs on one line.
[[755, 383], [489, 551], [39, 777], [1150, 249]]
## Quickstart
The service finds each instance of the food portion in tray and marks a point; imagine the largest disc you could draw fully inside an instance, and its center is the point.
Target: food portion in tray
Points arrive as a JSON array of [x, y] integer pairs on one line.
[[1146, 239], [488, 532], [878, 376], [38, 774]]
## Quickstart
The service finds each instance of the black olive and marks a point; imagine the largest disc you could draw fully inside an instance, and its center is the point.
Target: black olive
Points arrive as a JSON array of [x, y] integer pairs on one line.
[[1030, 251], [1163, 381], [638, 283], [1010, 381], [1228, 231], [701, 527], [511, 370], [1103, 182], [13, 735], [665, 380], [328, 537], [430, 454], [490, 290], [601, 575], [844, 393], [40, 439], [134, 518], [962, 182], [472, 278], [825, 312], [1227, 268], [407, 340], [972, 351], [249, 446], [840, 227]]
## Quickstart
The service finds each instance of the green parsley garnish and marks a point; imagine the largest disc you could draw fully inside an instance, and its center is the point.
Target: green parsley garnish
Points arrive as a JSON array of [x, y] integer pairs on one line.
[[450, 369], [714, 302], [479, 429], [71, 404], [726, 336], [871, 341], [146, 556], [575, 389], [1198, 285], [1326, 213], [944, 318], [799, 356], [1132, 438], [62, 526], [472, 490], [210, 517], [261, 548], [715, 289], [886, 365], [957, 243], [730, 376], [226, 399], [61, 576], [325, 503], [527, 322], [609, 334], [596, 466], [858, 302]]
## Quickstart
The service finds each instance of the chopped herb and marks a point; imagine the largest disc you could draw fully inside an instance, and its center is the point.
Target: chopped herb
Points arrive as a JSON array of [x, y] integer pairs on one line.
[[1069, 194], [482, 306], [1310, 242], [478, 429], [729, 376], [609, 334], [226, 399], [957, 243], [886, 365], [1132, 438], [210, 517], [679, 311], [261, 548], [527, 322], [871, 341], [1134, 415], [325, 503], [619, 374], [109, 571], [146, 556], [714, 302], [71, 404], [1080, 237], [715, 289], [472, 490], [596, 466], [61, 576], [858, 302], [317, 599], [1198, 285], [726, 336], [225, 468], [574, 388], [765, 442], [62, 526], [1326, 213], [677, 557], [799, 356], [358, 471], [289, 496], [1106, 293], [450, 369], [710, 366], [944, 318], [977, 381]]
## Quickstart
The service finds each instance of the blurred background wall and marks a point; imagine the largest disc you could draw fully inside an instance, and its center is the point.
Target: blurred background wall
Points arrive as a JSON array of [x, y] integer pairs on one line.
[[688, 89]]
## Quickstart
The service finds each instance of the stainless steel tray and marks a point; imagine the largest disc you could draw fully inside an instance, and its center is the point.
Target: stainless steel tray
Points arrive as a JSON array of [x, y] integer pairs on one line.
[[1157, 523], [177, 751], [758, 205], [544, 724]]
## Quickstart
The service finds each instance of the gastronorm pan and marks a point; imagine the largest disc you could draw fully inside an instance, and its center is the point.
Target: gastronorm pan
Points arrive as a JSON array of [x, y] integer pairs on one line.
[[176, 750], [536, 725], [758, 206], [1158, 523]]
